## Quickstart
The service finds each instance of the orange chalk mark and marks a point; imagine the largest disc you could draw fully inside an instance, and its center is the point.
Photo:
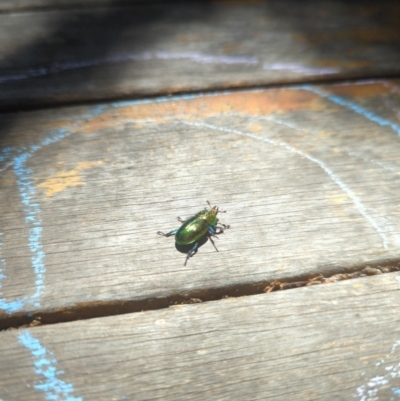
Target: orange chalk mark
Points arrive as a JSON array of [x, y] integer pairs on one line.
[[57, 124], [364, 90], [256, 103], [66, 179]]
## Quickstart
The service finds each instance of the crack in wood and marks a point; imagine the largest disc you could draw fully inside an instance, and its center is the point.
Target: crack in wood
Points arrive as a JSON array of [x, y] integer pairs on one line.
[[98, 309]]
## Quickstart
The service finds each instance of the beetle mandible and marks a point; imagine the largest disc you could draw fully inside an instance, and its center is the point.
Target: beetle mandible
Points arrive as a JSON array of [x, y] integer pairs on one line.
[[203, 224]]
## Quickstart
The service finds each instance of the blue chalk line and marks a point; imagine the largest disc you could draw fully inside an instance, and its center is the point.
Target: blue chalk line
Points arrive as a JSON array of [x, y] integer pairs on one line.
[[370, 115], [45, 364], [27, 189], [32, 219]]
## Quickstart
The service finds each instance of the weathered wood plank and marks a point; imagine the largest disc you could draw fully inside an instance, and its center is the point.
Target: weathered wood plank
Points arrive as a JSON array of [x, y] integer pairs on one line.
[[91, 54], [339, 341], [309, 176]]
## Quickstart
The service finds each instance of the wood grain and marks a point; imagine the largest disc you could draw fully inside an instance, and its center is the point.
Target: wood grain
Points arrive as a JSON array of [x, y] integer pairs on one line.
[[78, 55], [309, 177], [339, 341]]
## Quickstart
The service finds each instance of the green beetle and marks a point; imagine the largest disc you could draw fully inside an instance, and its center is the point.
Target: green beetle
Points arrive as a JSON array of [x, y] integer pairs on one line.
[[196, 228]]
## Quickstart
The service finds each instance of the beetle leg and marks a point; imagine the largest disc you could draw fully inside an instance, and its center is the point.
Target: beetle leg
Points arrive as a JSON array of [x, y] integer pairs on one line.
[[220, 230], [180, 219], [212, 232], [212, 241], [191, 252], [172, 232]]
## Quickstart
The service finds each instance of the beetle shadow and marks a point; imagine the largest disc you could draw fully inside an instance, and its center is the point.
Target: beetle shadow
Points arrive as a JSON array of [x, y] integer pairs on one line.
[[187, 248]]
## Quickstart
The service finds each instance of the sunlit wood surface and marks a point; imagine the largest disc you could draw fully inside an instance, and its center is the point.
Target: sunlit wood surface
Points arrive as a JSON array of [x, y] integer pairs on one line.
[[308, 176], [337, 341], [117, 118]]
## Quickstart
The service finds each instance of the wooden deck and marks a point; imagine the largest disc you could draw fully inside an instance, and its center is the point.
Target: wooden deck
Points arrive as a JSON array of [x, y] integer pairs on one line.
[[115, 118]]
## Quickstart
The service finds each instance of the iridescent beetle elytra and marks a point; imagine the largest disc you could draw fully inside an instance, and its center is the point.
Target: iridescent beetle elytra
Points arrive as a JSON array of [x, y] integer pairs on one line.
[[194, 229]]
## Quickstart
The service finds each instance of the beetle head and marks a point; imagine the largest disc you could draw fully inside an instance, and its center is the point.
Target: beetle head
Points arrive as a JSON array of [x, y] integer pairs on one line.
[[215, 209]]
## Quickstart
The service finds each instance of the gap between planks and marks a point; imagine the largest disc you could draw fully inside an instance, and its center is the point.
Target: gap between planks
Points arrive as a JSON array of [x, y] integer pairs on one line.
[[96, 309], [357, 78]]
